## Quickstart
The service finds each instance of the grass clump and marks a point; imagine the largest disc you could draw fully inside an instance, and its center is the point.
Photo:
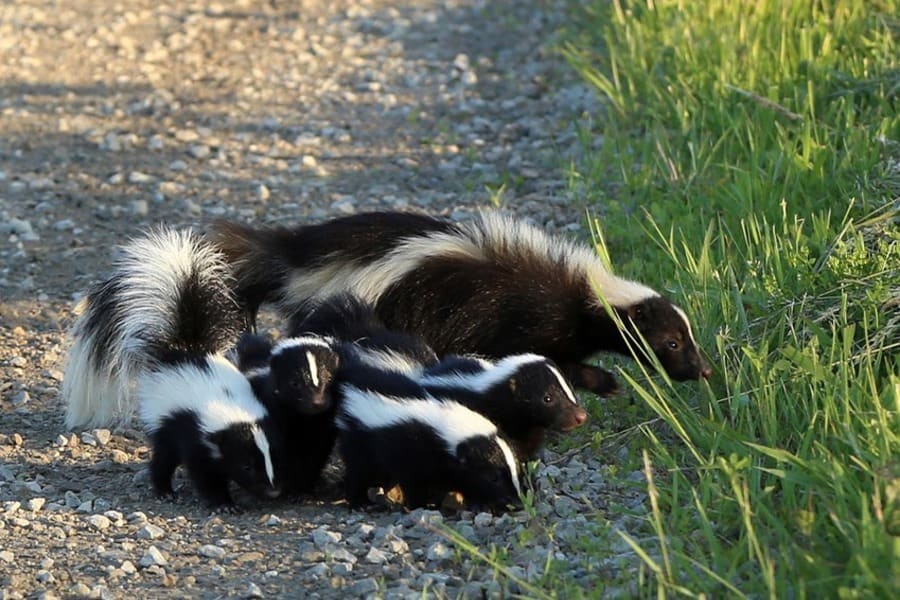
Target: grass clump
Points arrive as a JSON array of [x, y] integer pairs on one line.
[[757, 144]]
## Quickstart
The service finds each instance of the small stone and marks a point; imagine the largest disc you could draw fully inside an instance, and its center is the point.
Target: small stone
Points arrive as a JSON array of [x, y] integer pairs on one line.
[[18, 362], [439, 552], [21, 398], [343, 555], [16, 439], [322, 537], [253, 591], [61, 441], [178, 165], [273, 521], [100, 522], [483, 519], [364, 587], [7, 556], [80, 590], [140, 208], [150, 532], [102, 436], [212, 551], [152, 557], [344, 205], [36, 504], [88, 439], [139, 177], [262, 193], [128, 567], [44, 576], [199, 151], [376, 557], [308, 161], [119, 457], [316, 571], [18, 227]]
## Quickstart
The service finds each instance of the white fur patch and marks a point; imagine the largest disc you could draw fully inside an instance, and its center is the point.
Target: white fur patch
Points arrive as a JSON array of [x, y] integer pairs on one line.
[[570, 394], [491, 236], [220, 396], [508, 236], [483, 381], [453, 422], [511, 462], [370, 280], [259, 437], [313, 368], [388, 360], [301, 342], [257, 372]]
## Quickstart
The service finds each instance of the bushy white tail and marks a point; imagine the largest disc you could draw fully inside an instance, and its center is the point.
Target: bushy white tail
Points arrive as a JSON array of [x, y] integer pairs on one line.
[[169, 292]]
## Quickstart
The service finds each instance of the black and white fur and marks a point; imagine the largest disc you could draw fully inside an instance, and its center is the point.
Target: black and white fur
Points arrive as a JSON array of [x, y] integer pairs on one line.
[[492, 286], [426, 446], [150, 340], [523, 394]]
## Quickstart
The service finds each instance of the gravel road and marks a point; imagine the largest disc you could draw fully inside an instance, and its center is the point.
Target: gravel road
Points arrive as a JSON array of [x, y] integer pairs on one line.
[[118, 115]]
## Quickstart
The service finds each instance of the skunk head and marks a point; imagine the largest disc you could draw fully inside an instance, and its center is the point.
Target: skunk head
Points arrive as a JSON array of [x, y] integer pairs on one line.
[[487, 472], [301, 372], [668, 332], [540, 393], [248, 454]]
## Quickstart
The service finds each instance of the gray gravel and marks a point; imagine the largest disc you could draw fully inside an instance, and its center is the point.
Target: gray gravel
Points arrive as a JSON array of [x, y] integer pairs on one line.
[[116, 116]]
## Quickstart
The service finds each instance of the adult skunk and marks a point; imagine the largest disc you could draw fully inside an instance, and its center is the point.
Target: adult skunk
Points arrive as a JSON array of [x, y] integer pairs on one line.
[[294, 378], [523, 394], [426, 446], [149, 339], [493, 286]]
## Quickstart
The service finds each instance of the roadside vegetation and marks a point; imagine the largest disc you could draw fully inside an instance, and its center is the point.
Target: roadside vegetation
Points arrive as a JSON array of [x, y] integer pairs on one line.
[[749, 165]]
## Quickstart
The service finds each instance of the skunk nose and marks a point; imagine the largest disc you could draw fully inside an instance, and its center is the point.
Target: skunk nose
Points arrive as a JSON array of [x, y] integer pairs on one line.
[[705, 372], [580, 417]]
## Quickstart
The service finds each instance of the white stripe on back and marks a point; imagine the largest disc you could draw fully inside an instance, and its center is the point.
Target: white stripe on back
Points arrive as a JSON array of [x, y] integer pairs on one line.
[[511, 462], [484, 380], [453, 422], [300, 341]]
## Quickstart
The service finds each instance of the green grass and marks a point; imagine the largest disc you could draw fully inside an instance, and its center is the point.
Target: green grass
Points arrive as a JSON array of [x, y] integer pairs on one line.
[[750, 168]]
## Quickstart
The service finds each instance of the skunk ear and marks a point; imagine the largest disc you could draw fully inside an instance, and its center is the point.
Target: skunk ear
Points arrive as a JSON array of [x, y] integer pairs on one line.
[[513, 384], [636, 312]]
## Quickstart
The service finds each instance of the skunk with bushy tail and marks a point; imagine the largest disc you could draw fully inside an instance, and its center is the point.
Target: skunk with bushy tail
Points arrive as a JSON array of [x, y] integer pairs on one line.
[[149, 340], [492, 286]]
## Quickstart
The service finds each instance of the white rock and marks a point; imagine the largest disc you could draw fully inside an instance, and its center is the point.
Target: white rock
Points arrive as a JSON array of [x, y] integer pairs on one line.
[[212, 551], [376, 557], [149, 531], [139, 177], [152, 557], [36, 504], [102, 436], [322, 537], [439, 552], [100, 522]]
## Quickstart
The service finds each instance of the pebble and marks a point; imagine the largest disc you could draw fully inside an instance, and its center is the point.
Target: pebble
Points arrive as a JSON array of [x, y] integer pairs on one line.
[[35, 504], [212, 551], [199, 151], [7, 556], [152, 557], [150, 532], [100, 522], [364, 587], [376, 556], [21, 398], [322, 537], [439, 552], [253, 591]]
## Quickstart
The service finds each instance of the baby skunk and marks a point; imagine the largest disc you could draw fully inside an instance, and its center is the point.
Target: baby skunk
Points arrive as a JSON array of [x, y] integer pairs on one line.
[[523, 394], [492, 286], [149, 338], [294, 380], [426, 446]]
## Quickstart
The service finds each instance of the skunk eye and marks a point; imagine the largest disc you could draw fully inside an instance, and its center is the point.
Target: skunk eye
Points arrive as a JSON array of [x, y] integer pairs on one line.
[[672, 344], [548, 400]]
